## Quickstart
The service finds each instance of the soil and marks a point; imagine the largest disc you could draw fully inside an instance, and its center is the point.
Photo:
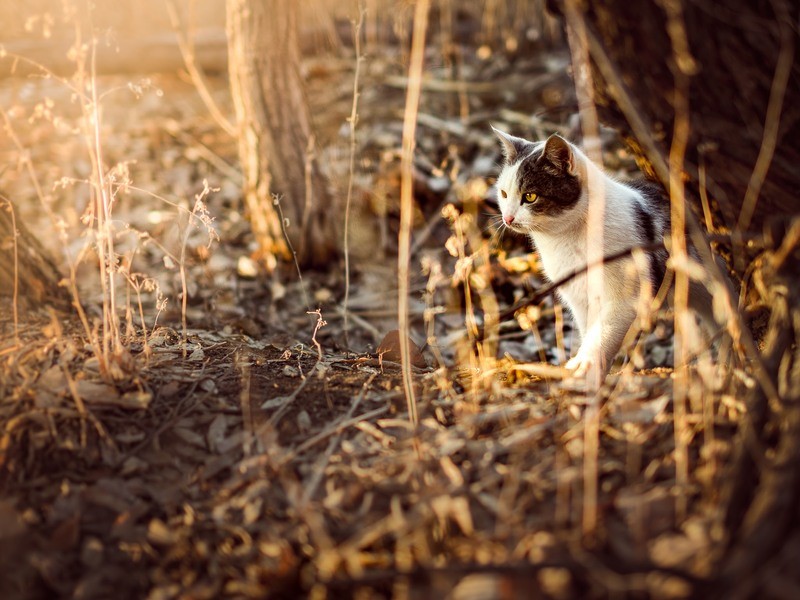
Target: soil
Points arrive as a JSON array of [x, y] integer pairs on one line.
[[261, 453]]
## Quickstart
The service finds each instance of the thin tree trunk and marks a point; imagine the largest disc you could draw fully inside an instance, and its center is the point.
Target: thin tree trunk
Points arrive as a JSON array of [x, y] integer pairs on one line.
[[275, 134], [26, 272]]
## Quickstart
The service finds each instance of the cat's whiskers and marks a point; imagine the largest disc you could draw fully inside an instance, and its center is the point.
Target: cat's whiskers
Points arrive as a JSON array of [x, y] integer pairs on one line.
[[497, 227]]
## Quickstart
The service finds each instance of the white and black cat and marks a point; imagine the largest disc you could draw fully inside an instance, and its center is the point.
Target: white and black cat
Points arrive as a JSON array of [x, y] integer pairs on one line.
[[542, 192]]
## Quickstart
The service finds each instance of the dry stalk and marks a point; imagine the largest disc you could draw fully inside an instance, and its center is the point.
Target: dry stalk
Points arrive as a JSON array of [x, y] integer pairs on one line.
[[104, 185], [352, 121], [276, 201], [186, 47], [478, 279], [320, 323], [783, 70], [338, 427], [415, 71], [242, 363], [58, 223], [198, 215], [433, 269], [317, 326], [199, 211], [584, 86], [685, 67], [308, 168], [111, 343]]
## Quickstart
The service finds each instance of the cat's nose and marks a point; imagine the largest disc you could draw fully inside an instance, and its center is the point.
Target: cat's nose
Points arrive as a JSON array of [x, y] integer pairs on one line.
[[509, 219]]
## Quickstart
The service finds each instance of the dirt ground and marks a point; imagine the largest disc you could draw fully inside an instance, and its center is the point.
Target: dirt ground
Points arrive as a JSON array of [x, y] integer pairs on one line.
[[267, 454]]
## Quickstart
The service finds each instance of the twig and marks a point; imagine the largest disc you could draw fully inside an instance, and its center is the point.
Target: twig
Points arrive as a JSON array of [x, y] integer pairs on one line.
[[415, 72], [277, 202], [551, 288], [783, 69], [209, 155], [584, 90], [175, 414], [451, 127], [363, 323], [198, 79], [306, 378], [319, 325], [686, 67], [289, 399], [352, 120], [472, 87], [336, 428]]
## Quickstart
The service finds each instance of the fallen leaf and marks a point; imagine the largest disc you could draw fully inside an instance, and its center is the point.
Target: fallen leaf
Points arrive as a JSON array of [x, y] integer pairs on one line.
[[95, 392], [389, 349]]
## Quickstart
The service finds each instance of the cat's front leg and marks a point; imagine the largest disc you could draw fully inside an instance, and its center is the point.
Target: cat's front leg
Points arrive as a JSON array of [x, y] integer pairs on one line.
[[602, 340]]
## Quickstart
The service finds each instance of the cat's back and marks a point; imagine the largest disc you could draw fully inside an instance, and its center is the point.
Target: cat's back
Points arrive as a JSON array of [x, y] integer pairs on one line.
[[654, 200]]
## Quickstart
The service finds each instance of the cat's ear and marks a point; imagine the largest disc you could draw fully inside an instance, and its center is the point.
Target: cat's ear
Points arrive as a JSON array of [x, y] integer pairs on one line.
[[512, 146], [559, 154]]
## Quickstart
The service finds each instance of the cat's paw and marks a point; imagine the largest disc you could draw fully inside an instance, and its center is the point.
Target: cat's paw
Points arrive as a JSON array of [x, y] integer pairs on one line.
[[579, 365], [584, 363]]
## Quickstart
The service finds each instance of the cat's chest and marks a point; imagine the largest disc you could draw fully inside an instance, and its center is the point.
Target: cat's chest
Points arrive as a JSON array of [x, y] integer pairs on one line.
[[560, 255]]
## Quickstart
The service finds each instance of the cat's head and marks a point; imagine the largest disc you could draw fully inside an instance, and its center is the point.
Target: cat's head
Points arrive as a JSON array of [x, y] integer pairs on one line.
[[540, 182]]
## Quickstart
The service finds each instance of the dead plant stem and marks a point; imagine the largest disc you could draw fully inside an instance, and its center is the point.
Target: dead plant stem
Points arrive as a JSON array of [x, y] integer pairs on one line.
[[576, 34], [783, 69], [277, 202], [415, 72], [104, 231], [684, 66], [352, 121], [186, 47]]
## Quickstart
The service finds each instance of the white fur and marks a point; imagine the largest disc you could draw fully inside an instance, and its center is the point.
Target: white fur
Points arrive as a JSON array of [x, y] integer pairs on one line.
[[562, 244]]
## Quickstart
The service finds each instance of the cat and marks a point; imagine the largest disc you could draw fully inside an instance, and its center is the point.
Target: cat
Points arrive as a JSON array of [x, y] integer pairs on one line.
[[542, 192]]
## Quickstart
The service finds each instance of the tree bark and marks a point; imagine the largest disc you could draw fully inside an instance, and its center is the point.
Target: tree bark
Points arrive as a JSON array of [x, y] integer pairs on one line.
[[742, 57], [275, 134], [26, 272]]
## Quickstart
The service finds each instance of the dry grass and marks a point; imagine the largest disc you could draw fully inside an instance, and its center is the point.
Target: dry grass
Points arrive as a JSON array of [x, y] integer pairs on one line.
[[231, 448]]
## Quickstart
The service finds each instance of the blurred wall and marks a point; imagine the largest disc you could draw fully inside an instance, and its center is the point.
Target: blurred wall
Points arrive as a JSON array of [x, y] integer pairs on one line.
[[135, 35]]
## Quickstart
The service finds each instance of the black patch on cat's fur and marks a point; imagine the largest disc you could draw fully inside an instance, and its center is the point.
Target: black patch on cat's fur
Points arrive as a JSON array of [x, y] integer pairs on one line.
[[645, 223], [557, 189], [656, 202]]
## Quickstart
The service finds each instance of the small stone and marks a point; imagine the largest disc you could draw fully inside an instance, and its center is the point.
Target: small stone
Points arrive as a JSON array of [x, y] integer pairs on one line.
[[246, 267], [303, 421], [290, 371]]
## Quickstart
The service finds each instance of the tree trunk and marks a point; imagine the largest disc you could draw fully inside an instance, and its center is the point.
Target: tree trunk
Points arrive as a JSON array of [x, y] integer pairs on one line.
[[26, 272], [275, 134], [740, 56]]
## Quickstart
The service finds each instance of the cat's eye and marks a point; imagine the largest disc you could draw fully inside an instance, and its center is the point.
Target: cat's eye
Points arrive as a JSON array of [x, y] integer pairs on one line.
[[503, 192], [530, 197]]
